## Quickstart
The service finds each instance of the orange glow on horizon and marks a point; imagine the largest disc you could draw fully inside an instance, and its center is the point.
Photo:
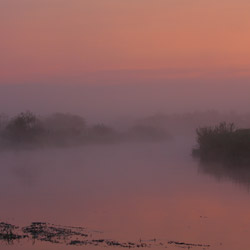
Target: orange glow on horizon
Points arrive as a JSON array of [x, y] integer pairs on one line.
[[50, 38]]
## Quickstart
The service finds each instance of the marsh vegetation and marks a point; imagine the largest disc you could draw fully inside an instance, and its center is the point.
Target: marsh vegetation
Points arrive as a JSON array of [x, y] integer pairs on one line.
[[77, 236], [223, 142]]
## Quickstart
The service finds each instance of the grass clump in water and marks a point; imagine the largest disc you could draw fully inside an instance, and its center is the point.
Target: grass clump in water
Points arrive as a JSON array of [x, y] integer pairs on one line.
[[223, 142]]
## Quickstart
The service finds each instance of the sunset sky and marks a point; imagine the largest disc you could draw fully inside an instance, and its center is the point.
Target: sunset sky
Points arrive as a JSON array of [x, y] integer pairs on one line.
[[75, 40], [125, 123]]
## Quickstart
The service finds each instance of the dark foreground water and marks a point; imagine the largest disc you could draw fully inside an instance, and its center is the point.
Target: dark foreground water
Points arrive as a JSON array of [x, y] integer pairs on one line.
[[140, 193]]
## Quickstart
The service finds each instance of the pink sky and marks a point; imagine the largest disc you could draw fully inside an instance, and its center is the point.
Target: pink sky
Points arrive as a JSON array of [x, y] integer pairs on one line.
[[62, 40]]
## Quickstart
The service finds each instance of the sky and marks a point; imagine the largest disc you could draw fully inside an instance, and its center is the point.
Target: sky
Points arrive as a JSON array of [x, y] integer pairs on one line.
[[127, 42], [45, 39]]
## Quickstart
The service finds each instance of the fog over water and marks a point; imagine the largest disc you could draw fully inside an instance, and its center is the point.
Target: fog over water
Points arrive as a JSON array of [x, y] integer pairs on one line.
[[126, 191], [116, 99], [133, 191], [124, 124]]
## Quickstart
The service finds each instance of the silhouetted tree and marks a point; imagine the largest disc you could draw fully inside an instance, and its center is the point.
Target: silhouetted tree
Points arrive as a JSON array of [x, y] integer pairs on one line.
[[24, 128], [68, 124], [102, 133]]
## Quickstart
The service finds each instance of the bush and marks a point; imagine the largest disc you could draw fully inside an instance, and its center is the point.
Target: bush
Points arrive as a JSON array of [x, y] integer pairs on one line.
[[65, 123], [223, 142], [102, 133], [24, 128]]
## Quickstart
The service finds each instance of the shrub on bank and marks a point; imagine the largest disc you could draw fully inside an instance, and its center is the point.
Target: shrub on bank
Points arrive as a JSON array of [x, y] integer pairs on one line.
[[223, 142], [25, 128]]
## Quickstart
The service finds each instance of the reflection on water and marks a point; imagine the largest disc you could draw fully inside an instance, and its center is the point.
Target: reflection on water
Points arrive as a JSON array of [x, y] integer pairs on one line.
[[239, 174], [128, 192]]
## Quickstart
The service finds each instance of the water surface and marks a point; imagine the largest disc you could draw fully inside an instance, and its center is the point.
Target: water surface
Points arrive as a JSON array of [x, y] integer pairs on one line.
[[127, 192]]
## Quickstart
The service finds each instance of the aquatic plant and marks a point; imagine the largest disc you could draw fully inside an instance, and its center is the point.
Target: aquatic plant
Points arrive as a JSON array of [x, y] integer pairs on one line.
[[223, 142], [78, 236]]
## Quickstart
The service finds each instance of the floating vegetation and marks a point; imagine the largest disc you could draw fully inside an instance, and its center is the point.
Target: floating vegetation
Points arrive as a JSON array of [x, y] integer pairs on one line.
[[109, 243], [52, 233], [10, 233], [76, 236], [186, 244]]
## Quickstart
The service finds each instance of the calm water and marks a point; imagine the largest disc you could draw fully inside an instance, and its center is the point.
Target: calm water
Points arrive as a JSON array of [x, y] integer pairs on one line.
[[128, 192]]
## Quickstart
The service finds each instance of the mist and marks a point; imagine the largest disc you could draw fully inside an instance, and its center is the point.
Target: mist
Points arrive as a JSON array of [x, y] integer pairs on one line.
[[117, 159], [113, 99], [124, 124]]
